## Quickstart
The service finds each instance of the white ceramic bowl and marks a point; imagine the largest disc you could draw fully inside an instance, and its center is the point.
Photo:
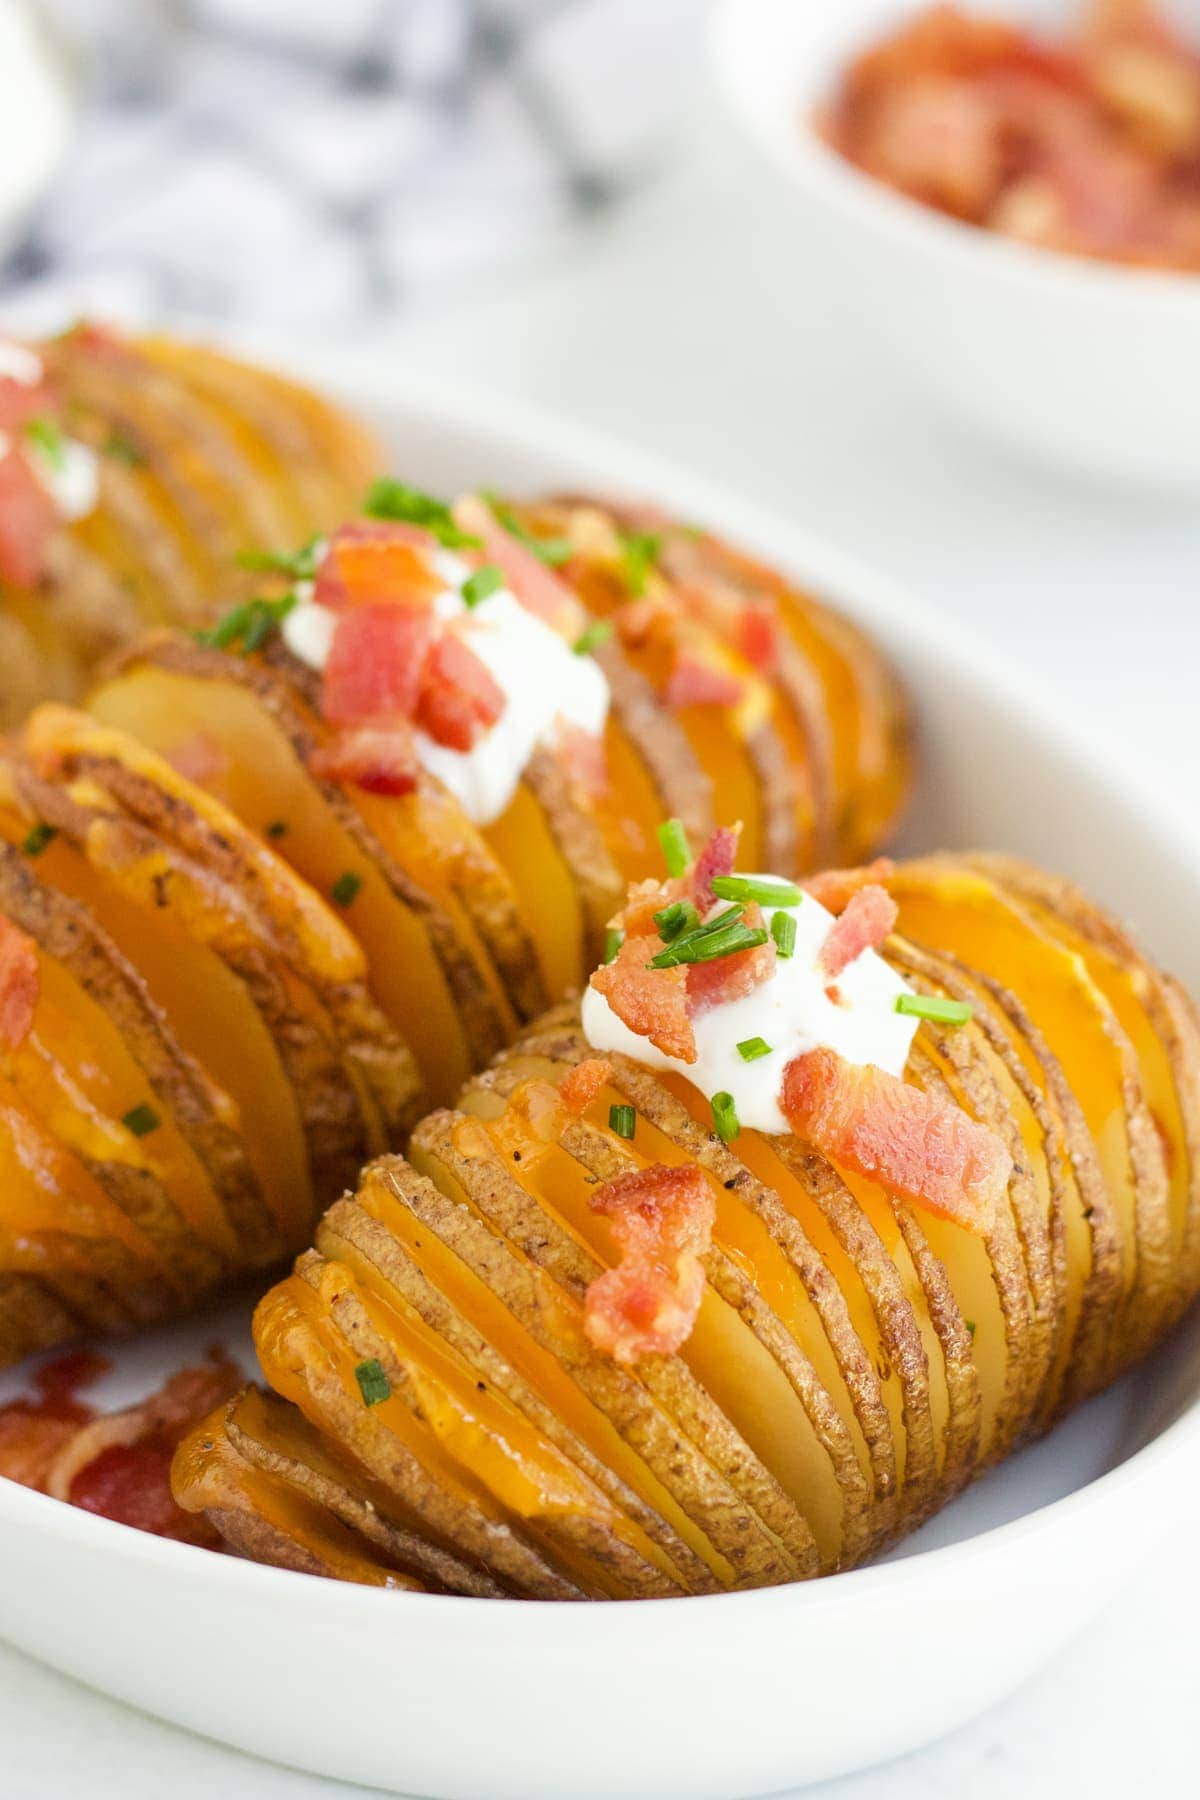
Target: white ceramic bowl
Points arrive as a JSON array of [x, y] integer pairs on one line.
[[1085, 364], [706, 1698]]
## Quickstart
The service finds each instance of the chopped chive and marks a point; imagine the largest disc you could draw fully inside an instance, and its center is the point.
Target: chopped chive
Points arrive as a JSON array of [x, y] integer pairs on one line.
[[372, 1380], [639, 553], [122, 449], [346, 887], [970, 1325], [749, 887], [783, 930], [613, 939], [673, 839], [725, 1119], [141, 1120], [591, 638], [252, 623], [698, 948], [673, 920], [300, 564], [388, 499], [622, 1120], [37, 837], [46, 436], [482, 583], [934, 1008], [277, 828], [750, 1049]]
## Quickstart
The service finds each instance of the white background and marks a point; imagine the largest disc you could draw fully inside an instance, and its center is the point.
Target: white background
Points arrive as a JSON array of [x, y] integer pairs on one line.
[[692, 323]]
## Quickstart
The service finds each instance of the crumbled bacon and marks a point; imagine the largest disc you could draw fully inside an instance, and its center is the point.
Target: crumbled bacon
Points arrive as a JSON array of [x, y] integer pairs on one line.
[[19, 983], [728, 978], [717, 858], [537, 587], [758, 634], [376, 663], [116, 1464], [28, 517], [21, 401], [460, 699], [652, 1002], [835, 888], [380, 758], [869, 916], [377, 562], [919, 1146], [662, 1222], [697, 681], [579, 1088]]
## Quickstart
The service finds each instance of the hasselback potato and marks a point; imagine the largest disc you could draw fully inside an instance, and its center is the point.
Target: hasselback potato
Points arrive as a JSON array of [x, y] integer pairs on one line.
[[611, 1331], [133, 473], [634, 668]]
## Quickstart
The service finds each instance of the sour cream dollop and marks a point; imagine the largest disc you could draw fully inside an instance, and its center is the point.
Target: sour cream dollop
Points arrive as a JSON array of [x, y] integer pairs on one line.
[[791, 1012], [544, 683]]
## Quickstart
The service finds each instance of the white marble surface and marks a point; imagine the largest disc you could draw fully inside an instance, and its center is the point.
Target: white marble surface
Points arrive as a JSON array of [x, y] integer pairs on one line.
[[688, 323]]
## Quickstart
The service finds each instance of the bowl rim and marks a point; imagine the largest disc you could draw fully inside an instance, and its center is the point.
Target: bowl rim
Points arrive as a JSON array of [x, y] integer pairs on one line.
[[355, 376], [795, 148]]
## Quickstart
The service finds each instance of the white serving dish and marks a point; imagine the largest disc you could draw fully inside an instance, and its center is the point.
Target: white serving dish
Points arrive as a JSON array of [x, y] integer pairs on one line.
[[707, 1698], [1084, 364]]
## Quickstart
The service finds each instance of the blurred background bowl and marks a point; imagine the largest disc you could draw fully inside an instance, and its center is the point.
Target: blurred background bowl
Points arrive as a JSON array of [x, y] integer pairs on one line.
[[1086, 365], [37, 106]]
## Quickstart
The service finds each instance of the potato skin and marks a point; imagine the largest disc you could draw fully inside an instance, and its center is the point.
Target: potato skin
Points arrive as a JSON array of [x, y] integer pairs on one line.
[[856, 1361]]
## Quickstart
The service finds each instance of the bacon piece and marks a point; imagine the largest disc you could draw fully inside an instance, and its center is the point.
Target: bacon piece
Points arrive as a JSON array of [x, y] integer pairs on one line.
[[579, 1088], [870, 914], [652, 1002], [757, 634], [379, 758], [732, 977], [21, 401], [460, 698], [28, 518], [377, 663], [917, 1145], [717, 858], [378, 563], [539, 590], [662, 1221], [19, 983], [695, 681], [199, 758], [835, 888]]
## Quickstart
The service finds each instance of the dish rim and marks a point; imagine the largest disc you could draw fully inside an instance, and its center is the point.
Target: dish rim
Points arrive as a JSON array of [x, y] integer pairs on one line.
[[853, 585], [795, 148]]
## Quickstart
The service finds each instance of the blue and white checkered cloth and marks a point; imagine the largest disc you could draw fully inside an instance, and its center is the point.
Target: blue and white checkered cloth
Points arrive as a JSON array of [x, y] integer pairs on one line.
[[324, 162]]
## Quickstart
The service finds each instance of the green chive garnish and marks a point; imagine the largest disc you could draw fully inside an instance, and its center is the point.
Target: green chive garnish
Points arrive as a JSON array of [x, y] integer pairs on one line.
[[613, 939], [37, 837], [373, 1383], [591, 638], [783, 930], [673, 839], [483, 582], [622, 1120], [552, 551], [388, 499], [300, 564], [725, 1119], [749, 887], [701, 946], [121, 449], [252, 623], [639, 553], [673, 920], [970, 1325], [750, 1049], [141, 1120], [934, 1008], [46, 436], [346, 887], [277, 828]]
